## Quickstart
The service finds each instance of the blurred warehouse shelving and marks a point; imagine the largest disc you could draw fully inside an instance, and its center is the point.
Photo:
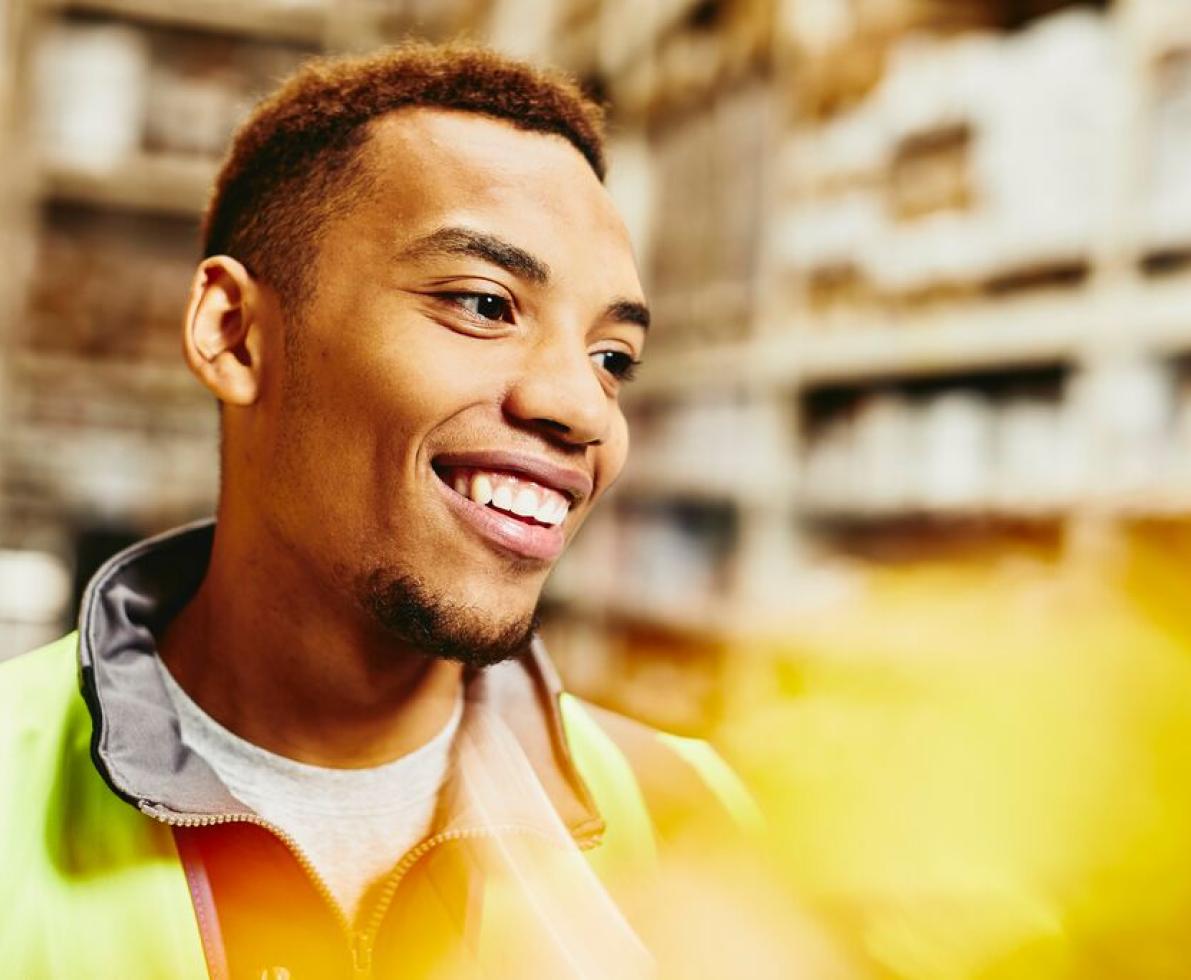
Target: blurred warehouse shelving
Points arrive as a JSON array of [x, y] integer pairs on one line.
[[921, 277], [302, 23], [149, 183], [921, 273], [115, 115], [968, 324]]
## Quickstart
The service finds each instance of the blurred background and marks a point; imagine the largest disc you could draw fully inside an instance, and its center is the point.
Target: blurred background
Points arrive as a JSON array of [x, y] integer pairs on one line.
[[905, 530]]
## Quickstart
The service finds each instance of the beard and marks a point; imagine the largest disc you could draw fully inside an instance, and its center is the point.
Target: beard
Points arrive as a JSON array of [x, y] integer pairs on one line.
[[437, 626]]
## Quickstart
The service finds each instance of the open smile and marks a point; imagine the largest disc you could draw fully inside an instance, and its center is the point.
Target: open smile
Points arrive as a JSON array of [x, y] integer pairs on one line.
[[508, 509]]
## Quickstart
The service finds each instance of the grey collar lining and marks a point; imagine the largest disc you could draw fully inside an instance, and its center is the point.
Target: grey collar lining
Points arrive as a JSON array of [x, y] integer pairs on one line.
[[136, 743]]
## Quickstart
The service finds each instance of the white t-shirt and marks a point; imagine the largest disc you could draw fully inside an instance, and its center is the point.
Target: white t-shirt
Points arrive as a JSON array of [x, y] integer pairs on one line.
[[353, 824]]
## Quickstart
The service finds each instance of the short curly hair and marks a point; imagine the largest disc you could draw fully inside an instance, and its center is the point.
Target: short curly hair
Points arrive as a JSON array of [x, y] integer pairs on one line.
[[298, 157]]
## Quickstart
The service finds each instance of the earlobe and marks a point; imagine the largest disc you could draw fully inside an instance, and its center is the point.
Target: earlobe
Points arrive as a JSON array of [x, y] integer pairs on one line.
[[222, 332]]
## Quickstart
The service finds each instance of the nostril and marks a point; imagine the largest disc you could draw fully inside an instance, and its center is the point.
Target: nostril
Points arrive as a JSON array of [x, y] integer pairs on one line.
[[555, 426]]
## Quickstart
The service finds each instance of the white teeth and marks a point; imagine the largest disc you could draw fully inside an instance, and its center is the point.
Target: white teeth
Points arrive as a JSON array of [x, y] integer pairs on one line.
[[502, 497], [552, 511], [525, 503], [544, 513], [513, 496], [481, 489]]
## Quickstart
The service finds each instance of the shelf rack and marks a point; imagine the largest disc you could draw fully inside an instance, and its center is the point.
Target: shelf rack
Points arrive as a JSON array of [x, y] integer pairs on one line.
[[786, 350], [152, 410], [1115, 313], [145, 183], [1061, 327], [300, 23]]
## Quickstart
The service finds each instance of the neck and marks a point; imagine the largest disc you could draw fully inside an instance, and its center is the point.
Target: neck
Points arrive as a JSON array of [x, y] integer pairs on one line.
[[273, 660]]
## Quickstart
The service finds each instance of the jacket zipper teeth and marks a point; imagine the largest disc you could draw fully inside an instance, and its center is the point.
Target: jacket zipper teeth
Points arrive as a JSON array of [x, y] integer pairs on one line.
[[292, 845], [385, 898], [359, 942]]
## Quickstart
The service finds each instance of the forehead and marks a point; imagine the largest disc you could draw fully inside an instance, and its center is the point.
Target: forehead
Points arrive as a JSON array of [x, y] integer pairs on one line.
[[432, 168]]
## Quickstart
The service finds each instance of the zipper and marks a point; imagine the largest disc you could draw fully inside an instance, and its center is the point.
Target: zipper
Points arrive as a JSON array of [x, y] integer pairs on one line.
[[393, 881], [311, 872], [359, 941]]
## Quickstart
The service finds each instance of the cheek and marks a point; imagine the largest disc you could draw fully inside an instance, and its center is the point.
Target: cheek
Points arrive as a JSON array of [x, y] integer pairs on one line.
[[429, 369], [398, 389], [614, 452]]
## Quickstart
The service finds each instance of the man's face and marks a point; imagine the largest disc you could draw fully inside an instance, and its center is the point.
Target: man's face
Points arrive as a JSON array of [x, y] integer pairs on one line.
[[448, 407]]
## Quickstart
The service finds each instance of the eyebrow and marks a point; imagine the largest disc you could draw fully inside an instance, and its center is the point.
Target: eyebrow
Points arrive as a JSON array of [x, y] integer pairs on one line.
[[455, 240], [489, 248], [628, 311]]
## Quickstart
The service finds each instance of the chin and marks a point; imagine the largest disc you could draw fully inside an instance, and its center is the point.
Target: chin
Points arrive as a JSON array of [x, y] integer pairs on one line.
[[439, 624]]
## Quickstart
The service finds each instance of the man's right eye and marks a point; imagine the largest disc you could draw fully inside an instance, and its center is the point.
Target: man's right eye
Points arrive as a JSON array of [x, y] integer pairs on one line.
[[486, 305]]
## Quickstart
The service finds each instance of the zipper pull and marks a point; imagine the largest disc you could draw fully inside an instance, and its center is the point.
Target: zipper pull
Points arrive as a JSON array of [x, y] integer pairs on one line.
[[361, 956]]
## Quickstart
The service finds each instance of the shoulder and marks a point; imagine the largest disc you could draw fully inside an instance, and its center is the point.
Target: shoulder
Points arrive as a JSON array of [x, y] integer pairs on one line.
[[682, 781], [42, 712], [35, 682], [44, 736]]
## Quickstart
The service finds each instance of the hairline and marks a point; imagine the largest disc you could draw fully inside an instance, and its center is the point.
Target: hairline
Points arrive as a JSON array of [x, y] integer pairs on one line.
[[360, 165]]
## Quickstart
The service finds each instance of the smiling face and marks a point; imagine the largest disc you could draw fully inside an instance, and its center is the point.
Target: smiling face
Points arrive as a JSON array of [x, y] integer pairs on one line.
[[446, 411]]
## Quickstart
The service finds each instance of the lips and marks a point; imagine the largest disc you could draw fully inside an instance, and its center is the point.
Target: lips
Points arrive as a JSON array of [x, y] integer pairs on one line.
[[515, 503], [574, 483], [511, 494]]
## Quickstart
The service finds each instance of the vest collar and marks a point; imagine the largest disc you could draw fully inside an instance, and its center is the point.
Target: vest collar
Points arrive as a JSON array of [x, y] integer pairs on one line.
[[136, 742]]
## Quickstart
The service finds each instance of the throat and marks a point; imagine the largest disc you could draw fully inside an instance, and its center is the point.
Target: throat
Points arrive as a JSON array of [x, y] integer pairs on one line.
[[323, 701]]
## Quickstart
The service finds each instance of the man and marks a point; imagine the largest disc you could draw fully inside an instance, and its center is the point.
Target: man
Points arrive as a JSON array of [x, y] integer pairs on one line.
[[317, 737]]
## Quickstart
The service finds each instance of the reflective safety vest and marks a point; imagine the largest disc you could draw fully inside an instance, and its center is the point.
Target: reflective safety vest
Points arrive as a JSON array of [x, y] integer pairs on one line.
[[92, 887]]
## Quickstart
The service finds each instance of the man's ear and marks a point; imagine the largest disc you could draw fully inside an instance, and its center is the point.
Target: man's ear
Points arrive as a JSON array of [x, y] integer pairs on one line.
[[222, 335]]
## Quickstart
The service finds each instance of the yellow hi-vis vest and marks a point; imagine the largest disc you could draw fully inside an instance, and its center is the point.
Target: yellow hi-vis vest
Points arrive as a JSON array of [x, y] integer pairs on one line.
[[90, 887]]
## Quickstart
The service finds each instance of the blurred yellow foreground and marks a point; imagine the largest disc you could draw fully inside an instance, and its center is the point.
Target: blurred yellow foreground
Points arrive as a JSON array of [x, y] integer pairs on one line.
[[983, 771]]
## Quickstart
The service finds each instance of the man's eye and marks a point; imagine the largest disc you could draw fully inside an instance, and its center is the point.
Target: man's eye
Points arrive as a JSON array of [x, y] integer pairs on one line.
[[617, 363], [486, 305]]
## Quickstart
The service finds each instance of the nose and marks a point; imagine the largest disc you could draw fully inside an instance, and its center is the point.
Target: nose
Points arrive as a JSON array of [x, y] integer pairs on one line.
[[558, 393]]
